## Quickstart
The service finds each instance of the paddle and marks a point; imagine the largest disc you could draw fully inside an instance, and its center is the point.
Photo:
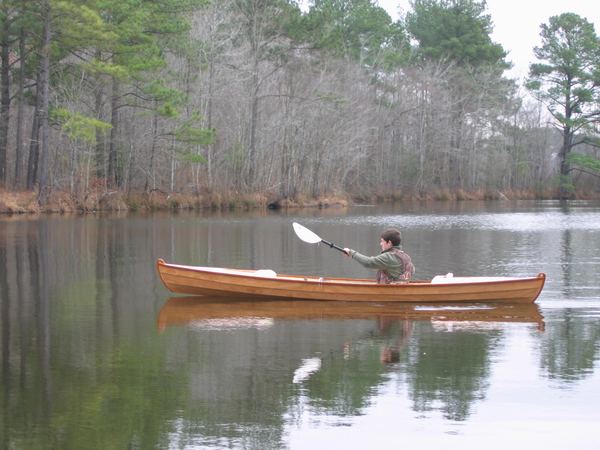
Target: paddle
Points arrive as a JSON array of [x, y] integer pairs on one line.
[[308, 236]]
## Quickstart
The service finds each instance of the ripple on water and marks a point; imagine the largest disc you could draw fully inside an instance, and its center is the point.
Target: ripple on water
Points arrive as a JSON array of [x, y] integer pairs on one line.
[[513, 221]]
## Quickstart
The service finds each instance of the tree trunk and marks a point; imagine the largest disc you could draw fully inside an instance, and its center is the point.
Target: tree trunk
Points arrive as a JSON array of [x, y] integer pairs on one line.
[[564, 163], [34, 144], [253, 125], [130, 169], [100, 168], [44, 93], [113, 172], [73, 174], [4, 97], [151, 173], [20, 112], [209, 115], [566, 148]]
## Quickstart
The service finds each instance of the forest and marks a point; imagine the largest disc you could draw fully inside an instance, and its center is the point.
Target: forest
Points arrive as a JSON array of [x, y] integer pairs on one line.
[[110, 103]]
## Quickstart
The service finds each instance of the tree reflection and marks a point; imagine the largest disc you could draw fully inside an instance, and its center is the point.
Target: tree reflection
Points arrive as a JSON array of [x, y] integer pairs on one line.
[[83, 365], [443, 356], [5, 326], [566, 261], [451, 369], [445, 371], [242, 376], [569, 349], [64, 384]]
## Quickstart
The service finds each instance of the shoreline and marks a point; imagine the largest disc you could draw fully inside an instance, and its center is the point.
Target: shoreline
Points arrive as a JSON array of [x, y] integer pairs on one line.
[[26, 203]]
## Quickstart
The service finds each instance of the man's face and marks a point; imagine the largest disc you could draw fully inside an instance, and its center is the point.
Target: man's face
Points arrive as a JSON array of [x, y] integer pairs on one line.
[[385, 245]]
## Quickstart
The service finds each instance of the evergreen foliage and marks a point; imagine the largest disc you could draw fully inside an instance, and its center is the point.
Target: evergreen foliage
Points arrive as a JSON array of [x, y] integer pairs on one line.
[[567, 80], [260, 96], [454, 30]]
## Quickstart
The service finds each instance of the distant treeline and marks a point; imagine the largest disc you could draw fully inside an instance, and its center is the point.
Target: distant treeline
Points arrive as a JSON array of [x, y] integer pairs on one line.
[[257, 96]]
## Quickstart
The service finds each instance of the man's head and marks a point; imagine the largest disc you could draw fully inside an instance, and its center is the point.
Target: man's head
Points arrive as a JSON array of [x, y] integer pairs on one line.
[[392, 235]]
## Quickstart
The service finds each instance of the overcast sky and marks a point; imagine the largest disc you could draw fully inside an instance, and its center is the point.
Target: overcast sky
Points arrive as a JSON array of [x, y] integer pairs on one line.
[[517, 23]]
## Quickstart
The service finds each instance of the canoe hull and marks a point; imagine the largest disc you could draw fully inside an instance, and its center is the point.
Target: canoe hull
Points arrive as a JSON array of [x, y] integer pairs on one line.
[[211, 281]]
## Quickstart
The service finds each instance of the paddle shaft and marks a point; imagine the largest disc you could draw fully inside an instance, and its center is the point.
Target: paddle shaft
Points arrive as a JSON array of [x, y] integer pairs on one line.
[[333, 246]]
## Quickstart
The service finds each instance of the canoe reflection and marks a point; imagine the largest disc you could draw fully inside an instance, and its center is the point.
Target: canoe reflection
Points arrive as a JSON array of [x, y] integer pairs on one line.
[[225, 312]]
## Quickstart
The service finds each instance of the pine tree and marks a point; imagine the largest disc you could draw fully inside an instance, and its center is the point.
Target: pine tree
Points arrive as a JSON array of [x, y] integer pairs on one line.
[[567, 81]]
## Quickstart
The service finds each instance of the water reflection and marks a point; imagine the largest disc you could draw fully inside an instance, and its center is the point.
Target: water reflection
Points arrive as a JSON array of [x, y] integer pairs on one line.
[[570, 351], [94, 354], [193, 309], [340, 368]]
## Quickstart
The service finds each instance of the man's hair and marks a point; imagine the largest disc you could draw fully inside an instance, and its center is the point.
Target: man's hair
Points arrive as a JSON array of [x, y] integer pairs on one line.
[[393, 235]]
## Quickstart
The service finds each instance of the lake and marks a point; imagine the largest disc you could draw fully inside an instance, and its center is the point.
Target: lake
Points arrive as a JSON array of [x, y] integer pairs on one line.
[[96, 353]]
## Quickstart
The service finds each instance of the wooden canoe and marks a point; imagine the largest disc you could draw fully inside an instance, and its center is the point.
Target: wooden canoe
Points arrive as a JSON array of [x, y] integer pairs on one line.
[[194, 280], [182, 311]]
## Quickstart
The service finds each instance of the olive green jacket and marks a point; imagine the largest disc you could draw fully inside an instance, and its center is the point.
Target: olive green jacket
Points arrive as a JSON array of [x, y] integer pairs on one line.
[[384, 261]]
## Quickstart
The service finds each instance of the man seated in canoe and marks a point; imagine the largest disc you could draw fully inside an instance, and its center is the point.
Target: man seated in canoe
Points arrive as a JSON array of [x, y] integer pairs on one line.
[[392, 264]]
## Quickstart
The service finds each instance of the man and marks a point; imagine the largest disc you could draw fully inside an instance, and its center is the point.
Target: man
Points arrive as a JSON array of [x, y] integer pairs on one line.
[[392, 263]]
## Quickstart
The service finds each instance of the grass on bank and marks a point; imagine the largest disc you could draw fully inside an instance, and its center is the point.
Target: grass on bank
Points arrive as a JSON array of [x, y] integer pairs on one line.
[[26, 202]]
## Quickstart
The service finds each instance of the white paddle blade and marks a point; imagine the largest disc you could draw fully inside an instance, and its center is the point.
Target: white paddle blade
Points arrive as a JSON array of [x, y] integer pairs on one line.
[[305, 234]]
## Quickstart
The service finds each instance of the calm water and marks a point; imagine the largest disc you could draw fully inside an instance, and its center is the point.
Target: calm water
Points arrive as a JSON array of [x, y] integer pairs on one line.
[[97, 354]]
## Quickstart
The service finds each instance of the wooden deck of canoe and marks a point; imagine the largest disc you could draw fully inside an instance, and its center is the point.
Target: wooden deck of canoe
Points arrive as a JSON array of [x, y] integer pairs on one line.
[[210, 281]]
